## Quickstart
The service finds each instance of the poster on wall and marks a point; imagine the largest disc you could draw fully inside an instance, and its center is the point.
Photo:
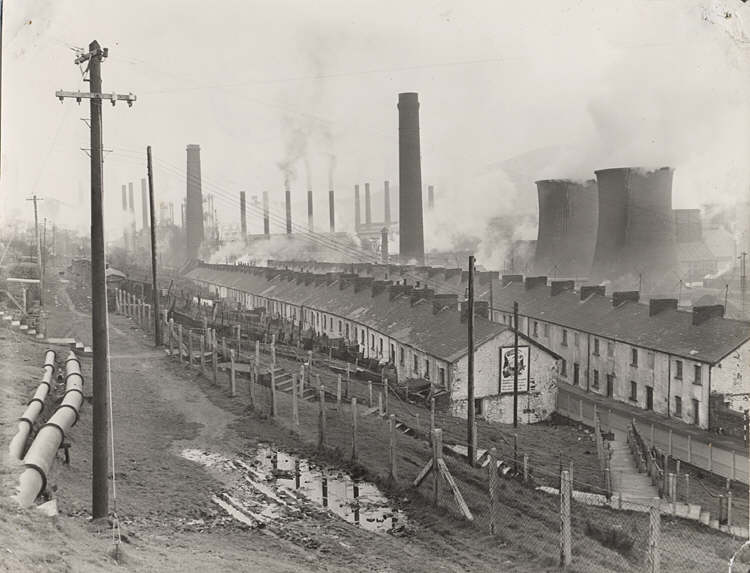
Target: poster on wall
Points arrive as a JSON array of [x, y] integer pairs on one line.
[[507, 364]]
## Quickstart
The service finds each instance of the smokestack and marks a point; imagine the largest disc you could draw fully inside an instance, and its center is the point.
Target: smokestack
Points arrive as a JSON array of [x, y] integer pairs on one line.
[[430, 197], [309, 210], [636, 225], [144, 204], [387, 202], [266, 222], [567, 227], [288, 203], [243, 216], [368, 206], [124, 198], [411, 231], [131, 208], [194, 202], [384, 245], [331, 212], [357, 221]]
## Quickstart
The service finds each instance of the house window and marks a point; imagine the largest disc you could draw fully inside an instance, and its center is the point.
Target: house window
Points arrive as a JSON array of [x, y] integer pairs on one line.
[[595, 383], [341, 327], [678, 407], [536, 328], [596, 347], [426, 368], [372, 341], [634, 357], [441, 374], [478, 407], [401, 355], [650, 357], [678, 369], [610, 349], [564, 337], [416, 364], [380, 346], [576, 373], [392, 354], [546, 330], [363, 337], [347, 331], [697, 375], [564, 368], [576, 340], [633, 391]]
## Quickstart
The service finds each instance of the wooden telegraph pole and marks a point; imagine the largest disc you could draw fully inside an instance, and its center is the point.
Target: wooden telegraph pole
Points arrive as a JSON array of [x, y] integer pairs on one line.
[[154, 287], [36, 199], [470, 379], [100, 336], [515, 364]]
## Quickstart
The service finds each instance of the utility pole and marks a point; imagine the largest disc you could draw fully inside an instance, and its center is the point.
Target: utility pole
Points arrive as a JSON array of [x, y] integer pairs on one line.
[[36, 199], [44, 249], [99, 320], [515, 364], [155, 286], [470, 381], [743, 279]]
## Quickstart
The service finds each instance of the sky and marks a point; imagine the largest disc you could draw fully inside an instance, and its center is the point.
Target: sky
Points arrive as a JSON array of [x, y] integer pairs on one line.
[[556, 89]]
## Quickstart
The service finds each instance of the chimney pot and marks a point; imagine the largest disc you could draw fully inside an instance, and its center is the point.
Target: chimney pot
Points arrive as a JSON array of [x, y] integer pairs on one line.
[[508, 279], [588, 290], [703, 313], [625, 296], [556, 287], [533, 282], [657, 305]]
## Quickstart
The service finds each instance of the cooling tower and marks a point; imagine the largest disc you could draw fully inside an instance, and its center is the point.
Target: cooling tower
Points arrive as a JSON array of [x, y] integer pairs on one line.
[[410, 227], [194, 202], [687, 225], [567, 227], [636, 226]]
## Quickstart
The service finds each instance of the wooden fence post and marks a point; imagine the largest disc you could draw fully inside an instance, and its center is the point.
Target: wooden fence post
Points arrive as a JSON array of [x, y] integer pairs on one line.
[[295, 405], [214, 364], [179, 341], [257, 351], [385, 391], [492, 469], [432, 416], [369, 390], [239, 341], [348, 382], [392, 448], [273, 392], [566, 554], [525, 468], [171, 337], [232, 380], [354, 430], [322, 418], [380, 404], [203, 353], [224, 347], [654, 531], [570, 476], [190, 346], [437, 455], [338, 393]]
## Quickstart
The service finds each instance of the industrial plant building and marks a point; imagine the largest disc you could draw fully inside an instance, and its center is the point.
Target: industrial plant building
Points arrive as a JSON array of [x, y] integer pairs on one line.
[[421, 334]]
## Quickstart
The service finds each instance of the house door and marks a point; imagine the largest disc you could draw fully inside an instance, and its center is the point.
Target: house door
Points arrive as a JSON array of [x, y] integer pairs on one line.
[[696, 412], [610, 386], [649, 398]]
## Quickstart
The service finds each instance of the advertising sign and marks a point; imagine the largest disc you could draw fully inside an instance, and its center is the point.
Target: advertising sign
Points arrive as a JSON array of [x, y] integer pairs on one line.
[[507, 364]]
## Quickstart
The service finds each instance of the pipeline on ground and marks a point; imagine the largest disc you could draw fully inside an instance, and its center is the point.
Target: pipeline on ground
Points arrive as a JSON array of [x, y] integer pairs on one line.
[[38, 460], [33, 409]]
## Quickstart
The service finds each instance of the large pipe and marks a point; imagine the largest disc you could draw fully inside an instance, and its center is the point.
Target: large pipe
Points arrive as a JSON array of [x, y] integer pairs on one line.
[[41, 454], [357, 221], [387, 202], [411, 229], [266, 221], [331, 211], [243, 217], [368, 205], [309, 210], [35, 407]]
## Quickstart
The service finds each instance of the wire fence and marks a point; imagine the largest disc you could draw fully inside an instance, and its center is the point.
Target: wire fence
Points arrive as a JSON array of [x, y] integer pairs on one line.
[[553, 510]]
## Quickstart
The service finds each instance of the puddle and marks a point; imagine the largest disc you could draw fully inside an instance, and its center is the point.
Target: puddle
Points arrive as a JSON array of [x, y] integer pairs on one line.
[[272, 485]]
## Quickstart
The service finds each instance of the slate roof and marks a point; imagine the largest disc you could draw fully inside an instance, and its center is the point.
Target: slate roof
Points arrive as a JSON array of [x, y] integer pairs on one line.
[[439, 334], [669, 331]]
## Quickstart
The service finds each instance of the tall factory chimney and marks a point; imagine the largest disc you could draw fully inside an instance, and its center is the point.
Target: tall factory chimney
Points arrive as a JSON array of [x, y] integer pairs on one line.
[[430, 197], [568, 222], [288, 203], [243, 217], [131, 208], [411, 230], [194, 202], [266, 222], [387, 202], [636, 226], [384, 245], [125, 215], [144, 204], [357, 221], [368, 205], [331, 211], [309, 210]]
